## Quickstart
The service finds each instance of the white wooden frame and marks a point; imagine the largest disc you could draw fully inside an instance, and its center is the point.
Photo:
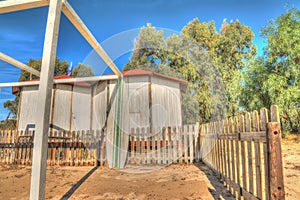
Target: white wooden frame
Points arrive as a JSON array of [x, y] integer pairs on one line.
[[38, 176]]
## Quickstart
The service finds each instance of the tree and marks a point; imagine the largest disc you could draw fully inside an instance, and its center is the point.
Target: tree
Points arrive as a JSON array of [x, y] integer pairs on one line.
[[228, 50], [60, 68], [180, 57], [275, 78], [83, 71]]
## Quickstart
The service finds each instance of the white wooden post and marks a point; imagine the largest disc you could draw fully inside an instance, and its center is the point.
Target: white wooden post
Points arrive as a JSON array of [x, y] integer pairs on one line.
[[38, 174]]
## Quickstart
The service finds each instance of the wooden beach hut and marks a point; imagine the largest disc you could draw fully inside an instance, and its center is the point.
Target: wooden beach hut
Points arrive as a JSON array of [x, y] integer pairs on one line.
[[150, 100]]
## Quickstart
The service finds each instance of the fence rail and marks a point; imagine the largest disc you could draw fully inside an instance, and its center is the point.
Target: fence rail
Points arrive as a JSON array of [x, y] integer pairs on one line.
[[246, 153]]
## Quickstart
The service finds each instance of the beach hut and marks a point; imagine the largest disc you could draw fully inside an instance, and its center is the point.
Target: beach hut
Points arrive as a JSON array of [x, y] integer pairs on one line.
[[149, 100]]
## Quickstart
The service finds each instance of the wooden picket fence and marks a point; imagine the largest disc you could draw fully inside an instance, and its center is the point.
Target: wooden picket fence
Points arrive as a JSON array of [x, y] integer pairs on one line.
[[245, 151], [165, 146], [82, 148]]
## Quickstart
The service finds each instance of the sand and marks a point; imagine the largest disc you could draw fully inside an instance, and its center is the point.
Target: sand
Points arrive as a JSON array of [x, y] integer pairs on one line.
[[171, 182], [291, 165]]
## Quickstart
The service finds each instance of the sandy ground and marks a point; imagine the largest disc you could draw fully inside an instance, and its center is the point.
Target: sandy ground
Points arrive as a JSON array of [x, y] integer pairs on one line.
[[291, 164], [172, 182]]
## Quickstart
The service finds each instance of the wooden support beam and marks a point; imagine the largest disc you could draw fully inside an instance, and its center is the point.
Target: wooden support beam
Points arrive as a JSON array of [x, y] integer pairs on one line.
[[19, 84], [84, 31], [61, 81], [38, 172], [16, 5], [86, 79], [18, 64]]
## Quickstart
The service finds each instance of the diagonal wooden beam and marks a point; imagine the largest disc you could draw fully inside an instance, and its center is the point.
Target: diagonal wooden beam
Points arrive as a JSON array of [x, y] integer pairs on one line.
[[16, 5], [18, 64], [88, 36]]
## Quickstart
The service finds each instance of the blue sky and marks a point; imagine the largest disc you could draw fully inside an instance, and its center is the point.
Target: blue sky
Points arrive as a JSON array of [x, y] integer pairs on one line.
[[22, 32]]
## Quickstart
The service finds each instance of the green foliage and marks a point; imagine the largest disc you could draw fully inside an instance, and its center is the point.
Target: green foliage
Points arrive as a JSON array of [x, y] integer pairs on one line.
[[275, 78], [61, 67], [83, 71], [12, 106], [210, 61]]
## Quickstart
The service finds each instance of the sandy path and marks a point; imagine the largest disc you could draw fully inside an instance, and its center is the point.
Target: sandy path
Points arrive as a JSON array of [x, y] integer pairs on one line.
[[291, 161], [172, 182]]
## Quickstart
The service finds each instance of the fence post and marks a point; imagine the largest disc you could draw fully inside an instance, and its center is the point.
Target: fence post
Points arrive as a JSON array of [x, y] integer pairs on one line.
[[276, 184]]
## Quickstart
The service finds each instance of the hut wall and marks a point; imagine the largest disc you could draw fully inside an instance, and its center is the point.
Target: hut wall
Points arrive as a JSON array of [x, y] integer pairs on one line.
[[62, 107], [99, 105], [81, 108], [27, 115], [166, 103], [138, 101]]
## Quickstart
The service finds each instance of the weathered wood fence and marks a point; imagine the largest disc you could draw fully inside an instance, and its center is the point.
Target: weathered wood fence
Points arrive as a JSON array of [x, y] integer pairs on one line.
[[83, 148], [166, 146], [88, 148], [246, 153]]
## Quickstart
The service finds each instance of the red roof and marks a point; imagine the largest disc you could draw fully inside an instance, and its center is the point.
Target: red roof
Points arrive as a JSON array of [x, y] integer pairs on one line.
[[134, 72]]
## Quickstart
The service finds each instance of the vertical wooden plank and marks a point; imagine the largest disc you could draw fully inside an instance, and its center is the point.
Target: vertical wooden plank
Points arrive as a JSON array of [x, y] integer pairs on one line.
[[82, 149], [275, 160], [28, 148], [85, 138], [175, 145], [68, 148], [244, 154], [237, 153], [132, 152], [169, 146], [12, 157], [148, 152], [227, 132], [142, 146], [275, 114], [73, 148], [179, 135], [232, 149], [258, 164], [185, 131], [56, 149], [263, 127], [191, 141], [250, 154], [138, 146], [157, 136], [7, 146], [76, 148], [143, 153], [154, 158], [164, 148]]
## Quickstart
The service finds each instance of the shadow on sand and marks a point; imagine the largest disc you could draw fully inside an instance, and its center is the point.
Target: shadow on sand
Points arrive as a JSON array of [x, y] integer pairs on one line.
[[78, 184], [220, 191]]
